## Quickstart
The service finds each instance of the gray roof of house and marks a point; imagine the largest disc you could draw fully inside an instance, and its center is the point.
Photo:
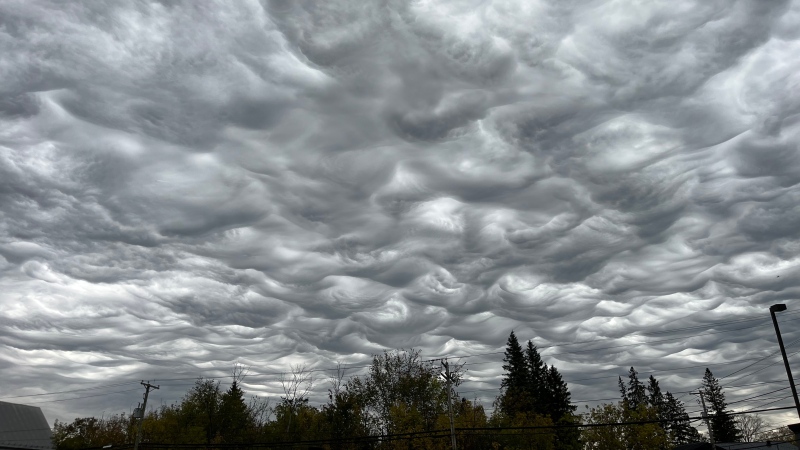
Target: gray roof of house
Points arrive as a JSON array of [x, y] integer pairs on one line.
[[23, 427], [756, 446], [738, 446]]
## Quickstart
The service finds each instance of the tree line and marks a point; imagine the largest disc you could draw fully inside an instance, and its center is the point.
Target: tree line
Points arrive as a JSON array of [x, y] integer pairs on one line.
[[402, 402]]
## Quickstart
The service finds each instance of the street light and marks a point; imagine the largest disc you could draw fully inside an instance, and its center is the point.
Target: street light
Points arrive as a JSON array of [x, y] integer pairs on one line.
[[772, 310]]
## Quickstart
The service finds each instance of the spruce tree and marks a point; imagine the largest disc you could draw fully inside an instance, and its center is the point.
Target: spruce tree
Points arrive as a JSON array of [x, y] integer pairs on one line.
[[560, 400], [681, 430], [560, 409], [654, 396], [669, 410], [514, 396], [536, 384], [531, 388], [235, 417], [722, 424], [634, 393]]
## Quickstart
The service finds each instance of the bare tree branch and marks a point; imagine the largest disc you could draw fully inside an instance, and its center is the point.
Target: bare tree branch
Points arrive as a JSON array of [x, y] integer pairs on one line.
[[752, 426]]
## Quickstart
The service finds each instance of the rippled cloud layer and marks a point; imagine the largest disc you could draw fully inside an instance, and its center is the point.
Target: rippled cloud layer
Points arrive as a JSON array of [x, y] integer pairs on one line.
[[188, 184]]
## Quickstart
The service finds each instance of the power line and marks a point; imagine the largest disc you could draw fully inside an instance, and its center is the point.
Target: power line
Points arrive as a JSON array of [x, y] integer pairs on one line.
[[769, 403], [71, 390], [82, 397], [263, 374], [760, 395], [750, 365]]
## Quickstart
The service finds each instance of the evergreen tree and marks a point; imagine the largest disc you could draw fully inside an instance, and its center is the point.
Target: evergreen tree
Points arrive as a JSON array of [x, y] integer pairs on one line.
[[675, 420], [533, 393], [680, 428], [536, 384], [561, 410], [655, 397], [514, 397], [634, 394], [235, 417], [559, 397], [722, 424]]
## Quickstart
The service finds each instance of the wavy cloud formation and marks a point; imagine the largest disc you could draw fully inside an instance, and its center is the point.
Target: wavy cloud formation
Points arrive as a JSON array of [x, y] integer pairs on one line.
[[185, 185]]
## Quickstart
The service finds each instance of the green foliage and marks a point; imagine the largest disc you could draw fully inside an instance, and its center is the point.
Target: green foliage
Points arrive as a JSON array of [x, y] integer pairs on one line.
[[296, 421], [92, 432], [467, 415], [670, 412], [171, 424], [397, 383], [402, 393], [201, 406], [533, 439], [344, 417], [624, 436]]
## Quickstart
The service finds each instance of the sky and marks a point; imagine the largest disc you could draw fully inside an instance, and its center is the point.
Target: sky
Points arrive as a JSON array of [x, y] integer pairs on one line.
[[189, 185]]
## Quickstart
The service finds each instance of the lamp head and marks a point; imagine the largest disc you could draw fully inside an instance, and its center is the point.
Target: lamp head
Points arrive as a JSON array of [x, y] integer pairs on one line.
[[777, 308]]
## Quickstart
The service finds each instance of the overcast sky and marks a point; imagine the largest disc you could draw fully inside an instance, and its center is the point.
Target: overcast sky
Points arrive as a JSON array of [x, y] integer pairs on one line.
[[184, 185]]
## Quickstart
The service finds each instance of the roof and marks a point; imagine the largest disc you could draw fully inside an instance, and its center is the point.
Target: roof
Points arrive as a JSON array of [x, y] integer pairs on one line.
[[756, 445], [23, 427], [694, 446], [738, 446]]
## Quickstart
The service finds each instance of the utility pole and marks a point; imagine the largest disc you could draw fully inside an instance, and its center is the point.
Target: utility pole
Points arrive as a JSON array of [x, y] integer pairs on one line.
[[449, 379], [708, 422], [147, 387]]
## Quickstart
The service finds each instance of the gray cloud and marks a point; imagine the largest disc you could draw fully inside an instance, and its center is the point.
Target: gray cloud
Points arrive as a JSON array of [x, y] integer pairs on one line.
[[184, 186]]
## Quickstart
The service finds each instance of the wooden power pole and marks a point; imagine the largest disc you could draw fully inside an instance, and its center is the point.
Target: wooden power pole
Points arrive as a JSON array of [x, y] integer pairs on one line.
[[708, 422], [147, 387], [449, 379]]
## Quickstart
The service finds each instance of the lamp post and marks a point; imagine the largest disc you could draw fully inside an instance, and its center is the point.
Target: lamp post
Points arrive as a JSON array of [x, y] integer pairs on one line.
[[772, 310]]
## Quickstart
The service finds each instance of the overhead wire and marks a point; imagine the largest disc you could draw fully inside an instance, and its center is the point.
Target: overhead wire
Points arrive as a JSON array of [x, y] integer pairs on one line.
[[82, 397], [312, 370], [71, 390]]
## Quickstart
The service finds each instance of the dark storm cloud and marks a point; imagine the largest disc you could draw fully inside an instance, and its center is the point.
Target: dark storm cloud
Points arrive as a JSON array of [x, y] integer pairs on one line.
[[184, 185]]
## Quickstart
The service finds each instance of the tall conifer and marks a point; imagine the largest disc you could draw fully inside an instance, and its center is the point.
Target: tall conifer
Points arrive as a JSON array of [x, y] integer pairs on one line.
[[722, 423], [560, 399], [531, 388], [681, 430], [634, 394], [675, 420], [536, 385], [514, 397]]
